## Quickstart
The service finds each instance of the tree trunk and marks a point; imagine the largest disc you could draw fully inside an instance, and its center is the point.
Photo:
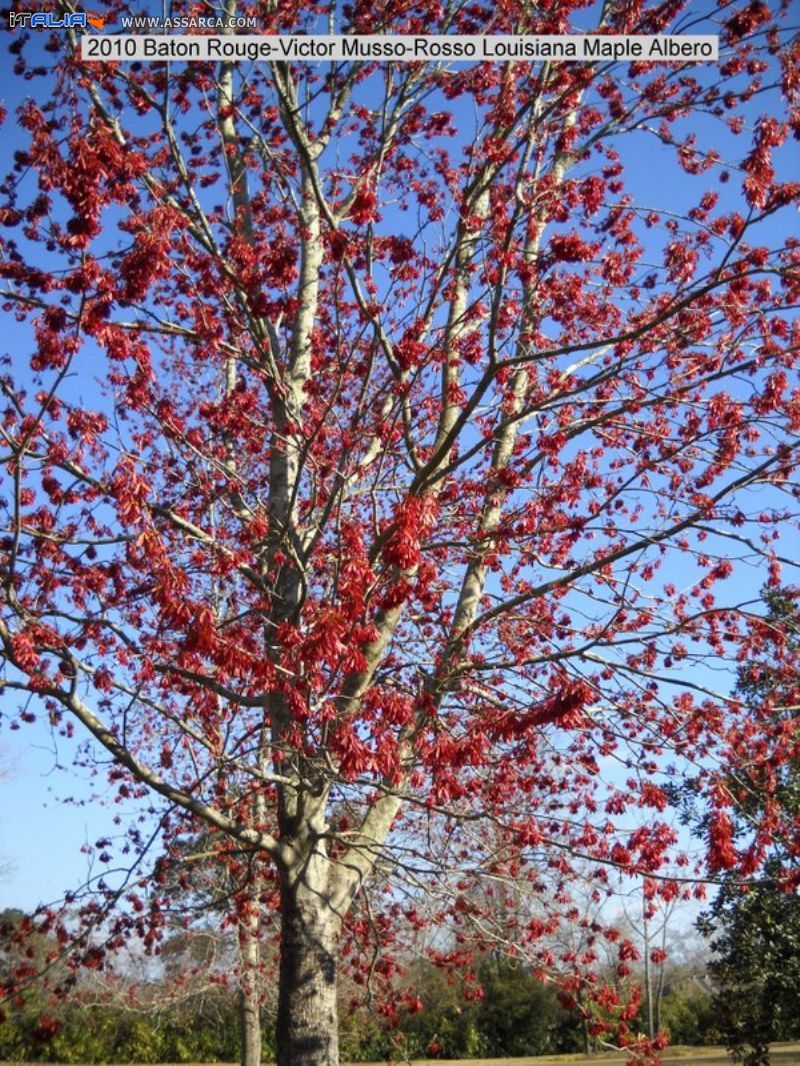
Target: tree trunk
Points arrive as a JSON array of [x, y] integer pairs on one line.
[[307, 1024], [249, 990], [648, 976], [249, 1029]]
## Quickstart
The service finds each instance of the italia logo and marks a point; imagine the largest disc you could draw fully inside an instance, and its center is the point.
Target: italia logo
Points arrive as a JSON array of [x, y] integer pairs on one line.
[[49, 20]]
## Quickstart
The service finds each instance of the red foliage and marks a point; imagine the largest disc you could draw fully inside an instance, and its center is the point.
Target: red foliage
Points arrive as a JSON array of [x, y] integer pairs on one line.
[[381, 477]]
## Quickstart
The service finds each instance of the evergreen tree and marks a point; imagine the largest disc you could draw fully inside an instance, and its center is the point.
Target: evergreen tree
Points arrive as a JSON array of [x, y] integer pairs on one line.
[[755, 930]]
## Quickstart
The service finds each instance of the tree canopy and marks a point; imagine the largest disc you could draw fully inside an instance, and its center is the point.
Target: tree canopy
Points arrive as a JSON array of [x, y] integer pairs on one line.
[[387, 451]]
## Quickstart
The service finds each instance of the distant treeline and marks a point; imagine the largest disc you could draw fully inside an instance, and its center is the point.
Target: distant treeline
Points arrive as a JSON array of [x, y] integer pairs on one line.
[[516, 1015]]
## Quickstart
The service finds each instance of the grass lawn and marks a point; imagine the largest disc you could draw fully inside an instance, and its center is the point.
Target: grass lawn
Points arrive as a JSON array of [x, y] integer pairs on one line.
[[780, 1054]]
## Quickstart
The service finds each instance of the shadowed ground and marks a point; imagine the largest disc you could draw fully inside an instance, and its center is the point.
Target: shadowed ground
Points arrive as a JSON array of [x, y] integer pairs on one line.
[[780, 1054]]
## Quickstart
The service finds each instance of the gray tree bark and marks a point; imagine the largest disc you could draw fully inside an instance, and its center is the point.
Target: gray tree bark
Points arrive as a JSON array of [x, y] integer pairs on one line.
[[249, 1029], [249, 993], [307, 1023]]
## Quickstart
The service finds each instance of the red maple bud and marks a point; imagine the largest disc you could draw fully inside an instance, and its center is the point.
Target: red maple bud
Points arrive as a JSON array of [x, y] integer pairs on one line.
[[571, 248], [721, 852]]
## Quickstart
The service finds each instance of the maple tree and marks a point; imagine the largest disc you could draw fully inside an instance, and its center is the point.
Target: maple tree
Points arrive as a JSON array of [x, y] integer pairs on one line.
[[386, 455]]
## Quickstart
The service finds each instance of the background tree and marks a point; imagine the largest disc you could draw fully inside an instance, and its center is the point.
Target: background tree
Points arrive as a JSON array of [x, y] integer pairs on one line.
[[376, 453], [202, 879], [180, 1008], [755, 929], [650, 919], [685, 1009], [756, 940], [140, 1012]]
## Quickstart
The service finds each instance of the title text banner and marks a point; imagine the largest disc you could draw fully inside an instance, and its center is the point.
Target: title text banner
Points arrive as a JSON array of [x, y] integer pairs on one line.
[[589, 48]]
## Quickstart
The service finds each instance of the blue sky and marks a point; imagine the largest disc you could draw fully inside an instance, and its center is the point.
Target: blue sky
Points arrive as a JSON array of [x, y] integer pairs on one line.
[[41, 833]]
